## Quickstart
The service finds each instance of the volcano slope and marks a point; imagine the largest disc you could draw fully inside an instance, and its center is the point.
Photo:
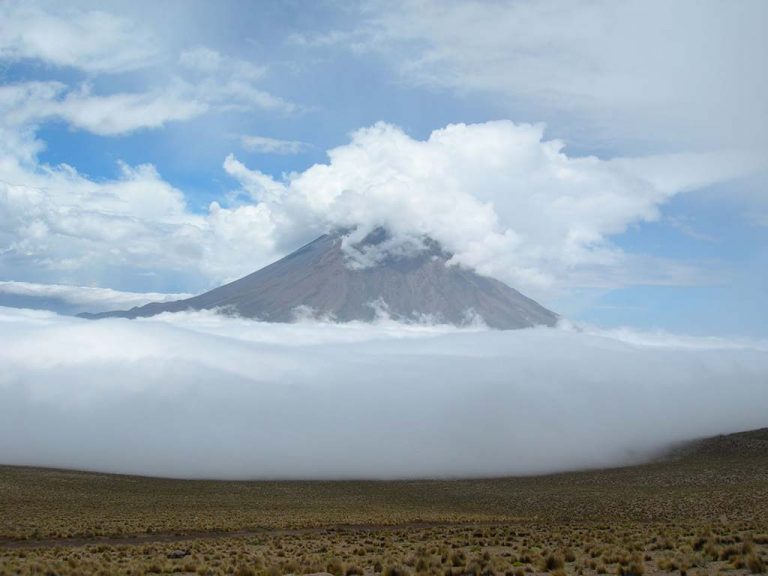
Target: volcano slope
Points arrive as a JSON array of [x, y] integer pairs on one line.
[[701, 509], [320, 280]]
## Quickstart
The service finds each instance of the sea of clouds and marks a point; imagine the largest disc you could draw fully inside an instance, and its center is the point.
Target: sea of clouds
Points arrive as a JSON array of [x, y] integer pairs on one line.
[[199, 395]]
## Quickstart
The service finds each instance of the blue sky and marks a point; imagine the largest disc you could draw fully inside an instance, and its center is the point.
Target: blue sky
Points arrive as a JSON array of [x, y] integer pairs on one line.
[[123, 123]]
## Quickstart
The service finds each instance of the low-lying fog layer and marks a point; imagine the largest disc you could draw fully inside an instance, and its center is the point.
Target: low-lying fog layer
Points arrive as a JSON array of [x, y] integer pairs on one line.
[[197, 395]]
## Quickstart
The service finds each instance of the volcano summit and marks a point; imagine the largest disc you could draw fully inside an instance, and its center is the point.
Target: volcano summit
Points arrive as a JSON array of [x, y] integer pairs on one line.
[[320, 280]]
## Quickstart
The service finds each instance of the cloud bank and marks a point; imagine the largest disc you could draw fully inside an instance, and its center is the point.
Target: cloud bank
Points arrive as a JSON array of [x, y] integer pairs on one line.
[[203, 396], [63, 298]]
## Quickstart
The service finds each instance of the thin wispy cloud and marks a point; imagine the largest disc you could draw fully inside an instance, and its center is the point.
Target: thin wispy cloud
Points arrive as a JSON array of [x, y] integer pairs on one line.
[[626, 70], [266, 145], [76, 298]]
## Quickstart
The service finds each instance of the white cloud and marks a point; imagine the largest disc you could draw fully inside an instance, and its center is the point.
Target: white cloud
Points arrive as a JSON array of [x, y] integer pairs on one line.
[[29, 104], [204, 396], [58, 225], [32, 103], [498, 195], [121, 113], [265, 145], [202, 59], [229, 83], [78, 298], [652, 71], [261, 187], [200, 80], [55, 221], [93, 40]]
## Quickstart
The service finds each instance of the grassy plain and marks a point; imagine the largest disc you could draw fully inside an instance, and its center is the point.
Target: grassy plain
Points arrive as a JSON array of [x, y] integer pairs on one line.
[[703, 510]]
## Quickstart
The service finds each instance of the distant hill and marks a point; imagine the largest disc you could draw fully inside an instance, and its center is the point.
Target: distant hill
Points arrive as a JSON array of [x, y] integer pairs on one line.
[[753, 443], [318, 280]]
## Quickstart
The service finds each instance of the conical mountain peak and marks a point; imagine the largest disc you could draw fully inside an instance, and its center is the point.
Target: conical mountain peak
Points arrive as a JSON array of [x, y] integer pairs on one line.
[[345, 279]]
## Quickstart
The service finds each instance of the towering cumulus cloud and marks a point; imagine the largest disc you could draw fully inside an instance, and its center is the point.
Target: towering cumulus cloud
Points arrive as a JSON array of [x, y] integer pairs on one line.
[[498, 195], [205, 396]]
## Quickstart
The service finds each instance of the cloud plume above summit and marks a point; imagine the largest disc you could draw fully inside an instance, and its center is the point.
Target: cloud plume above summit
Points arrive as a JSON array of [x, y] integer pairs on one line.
[[501, 197]]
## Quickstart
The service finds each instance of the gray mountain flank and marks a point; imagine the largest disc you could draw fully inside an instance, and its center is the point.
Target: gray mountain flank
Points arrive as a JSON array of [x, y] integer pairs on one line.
[[318, 279]]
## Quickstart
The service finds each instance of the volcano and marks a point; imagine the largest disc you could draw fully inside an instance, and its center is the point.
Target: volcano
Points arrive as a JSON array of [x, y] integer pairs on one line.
[[319, 280]]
